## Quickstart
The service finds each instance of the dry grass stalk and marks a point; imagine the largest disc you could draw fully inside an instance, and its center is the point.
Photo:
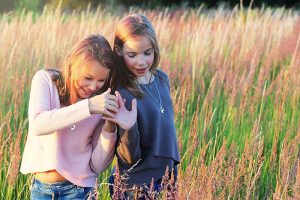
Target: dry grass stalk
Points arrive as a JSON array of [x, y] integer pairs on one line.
[[15, 159], [119, 185], [295, 189]]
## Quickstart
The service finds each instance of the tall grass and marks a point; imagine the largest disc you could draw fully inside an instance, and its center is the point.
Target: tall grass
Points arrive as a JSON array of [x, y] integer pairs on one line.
[[235, 86]]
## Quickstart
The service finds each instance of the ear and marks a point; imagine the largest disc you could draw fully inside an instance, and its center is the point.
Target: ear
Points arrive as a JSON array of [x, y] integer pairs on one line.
[[119, 51]]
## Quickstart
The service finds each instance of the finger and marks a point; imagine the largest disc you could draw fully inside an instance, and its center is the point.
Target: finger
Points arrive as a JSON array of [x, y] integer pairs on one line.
[[118, 94], [112, 108], [133, 104], [111, 97], [107, 91], [110, 119], [119, 98], [112, 103], [109, 114]]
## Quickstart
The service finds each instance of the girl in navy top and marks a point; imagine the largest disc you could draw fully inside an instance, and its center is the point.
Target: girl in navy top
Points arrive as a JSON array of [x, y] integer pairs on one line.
[[145, 150]]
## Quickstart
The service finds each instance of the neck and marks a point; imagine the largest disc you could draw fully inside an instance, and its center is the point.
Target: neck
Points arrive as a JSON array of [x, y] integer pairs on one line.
[[147, 78]]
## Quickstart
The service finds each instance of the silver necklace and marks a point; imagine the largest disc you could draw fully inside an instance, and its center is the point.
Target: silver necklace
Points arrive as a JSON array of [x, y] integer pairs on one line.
[[162, 110]]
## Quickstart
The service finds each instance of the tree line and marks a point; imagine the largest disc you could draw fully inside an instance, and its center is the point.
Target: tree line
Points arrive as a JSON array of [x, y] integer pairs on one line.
[[6, 5]]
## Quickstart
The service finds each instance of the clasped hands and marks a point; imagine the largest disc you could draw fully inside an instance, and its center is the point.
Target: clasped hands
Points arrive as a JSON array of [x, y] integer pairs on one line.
[[113, 109]]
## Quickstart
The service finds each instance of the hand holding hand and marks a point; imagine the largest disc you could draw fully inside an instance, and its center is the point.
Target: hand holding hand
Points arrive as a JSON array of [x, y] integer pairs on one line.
[[104, 103], [124, 118]]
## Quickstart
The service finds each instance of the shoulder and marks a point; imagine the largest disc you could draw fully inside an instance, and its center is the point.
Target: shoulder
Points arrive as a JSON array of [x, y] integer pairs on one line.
[[161, 73], [44, 77], [125, 93], [47, 74], [163, 77], [41, 75]]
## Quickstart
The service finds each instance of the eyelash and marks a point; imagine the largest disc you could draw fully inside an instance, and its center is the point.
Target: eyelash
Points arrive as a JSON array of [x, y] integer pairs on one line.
[[146, 53], [89, 78]]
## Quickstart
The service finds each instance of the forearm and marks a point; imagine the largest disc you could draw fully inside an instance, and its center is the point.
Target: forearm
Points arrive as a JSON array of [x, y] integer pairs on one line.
[[43, 121], [103, 151], [44, 113], [128, 147]]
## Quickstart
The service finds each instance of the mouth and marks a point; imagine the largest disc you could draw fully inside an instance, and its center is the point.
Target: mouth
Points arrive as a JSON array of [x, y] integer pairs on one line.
[[87, 93], [141, 71]]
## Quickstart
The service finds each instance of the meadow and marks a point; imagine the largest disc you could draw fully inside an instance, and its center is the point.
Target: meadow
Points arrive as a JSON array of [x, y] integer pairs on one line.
[[235, 85]]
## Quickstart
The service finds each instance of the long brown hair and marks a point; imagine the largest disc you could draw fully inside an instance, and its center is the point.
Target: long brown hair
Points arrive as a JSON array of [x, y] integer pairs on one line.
[[130, 27], [93, 47]]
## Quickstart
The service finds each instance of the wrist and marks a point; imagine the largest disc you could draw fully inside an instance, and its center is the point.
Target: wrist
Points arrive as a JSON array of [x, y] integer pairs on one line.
[[91, 107], [109, 127]]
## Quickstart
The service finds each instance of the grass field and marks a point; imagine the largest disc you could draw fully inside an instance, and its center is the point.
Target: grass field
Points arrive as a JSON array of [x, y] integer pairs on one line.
[[235, 83]]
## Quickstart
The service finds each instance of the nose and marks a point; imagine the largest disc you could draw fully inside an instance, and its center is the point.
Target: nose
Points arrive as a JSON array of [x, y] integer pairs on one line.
[[141, 60], [93, 86]]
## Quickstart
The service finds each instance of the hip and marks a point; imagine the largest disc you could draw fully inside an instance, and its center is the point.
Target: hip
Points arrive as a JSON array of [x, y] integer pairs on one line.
[[60, 190]]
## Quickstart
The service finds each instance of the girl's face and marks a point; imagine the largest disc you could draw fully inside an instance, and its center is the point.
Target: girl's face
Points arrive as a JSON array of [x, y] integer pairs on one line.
[[91, 79], [138, 54]]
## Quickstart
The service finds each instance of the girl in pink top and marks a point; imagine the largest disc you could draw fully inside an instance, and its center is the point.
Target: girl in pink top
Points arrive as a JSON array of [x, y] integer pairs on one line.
[[68, 144]]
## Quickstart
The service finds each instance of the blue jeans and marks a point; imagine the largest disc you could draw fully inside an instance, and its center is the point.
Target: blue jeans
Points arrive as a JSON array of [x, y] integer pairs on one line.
[[60, 190]]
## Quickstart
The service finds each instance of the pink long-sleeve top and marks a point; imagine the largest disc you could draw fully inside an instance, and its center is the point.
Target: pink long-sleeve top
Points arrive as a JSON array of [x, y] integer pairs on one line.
[[68, 139]]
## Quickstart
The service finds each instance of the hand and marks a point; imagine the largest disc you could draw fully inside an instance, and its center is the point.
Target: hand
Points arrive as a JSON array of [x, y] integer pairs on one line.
[[124, 118], [105, 104]]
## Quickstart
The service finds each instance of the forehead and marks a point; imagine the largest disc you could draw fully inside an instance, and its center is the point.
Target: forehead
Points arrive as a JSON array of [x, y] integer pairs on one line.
[[95, 69], [140, 43]]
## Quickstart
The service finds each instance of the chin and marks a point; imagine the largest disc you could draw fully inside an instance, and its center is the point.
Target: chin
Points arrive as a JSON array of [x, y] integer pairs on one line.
[[84, 96], [140, 75]]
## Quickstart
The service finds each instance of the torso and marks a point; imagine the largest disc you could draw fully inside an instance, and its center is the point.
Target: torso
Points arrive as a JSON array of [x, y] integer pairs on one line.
[[155, 126], [49, 176]]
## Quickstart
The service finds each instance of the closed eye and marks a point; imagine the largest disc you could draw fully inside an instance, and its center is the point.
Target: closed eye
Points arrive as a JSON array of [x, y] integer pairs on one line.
[[131, 55], [148, 52], [88, 78]]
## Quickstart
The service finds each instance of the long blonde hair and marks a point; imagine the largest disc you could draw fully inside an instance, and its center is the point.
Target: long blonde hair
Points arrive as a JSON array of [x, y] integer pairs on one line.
[[93, 47], [130, 27]]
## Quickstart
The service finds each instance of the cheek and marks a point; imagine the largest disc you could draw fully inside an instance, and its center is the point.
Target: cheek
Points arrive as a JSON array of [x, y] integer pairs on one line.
[[80, 83], [100, 85], [129, 61], [150, 60]]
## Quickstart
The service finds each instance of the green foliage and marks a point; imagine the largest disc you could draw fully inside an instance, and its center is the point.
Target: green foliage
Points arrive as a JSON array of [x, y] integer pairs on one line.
[[28, 5], [79, 4]]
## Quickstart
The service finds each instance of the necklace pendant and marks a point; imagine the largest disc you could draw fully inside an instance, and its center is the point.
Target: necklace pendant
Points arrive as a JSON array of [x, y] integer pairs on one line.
[[73, 127], [162, 110]]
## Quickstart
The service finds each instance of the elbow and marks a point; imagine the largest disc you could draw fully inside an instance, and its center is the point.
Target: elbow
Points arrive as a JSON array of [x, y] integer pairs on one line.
[[39, 126], [36, 130], [97, 170], [101, 165]]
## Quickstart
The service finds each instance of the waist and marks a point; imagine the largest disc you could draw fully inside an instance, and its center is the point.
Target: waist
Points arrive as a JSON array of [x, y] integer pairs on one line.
[[51, 176]]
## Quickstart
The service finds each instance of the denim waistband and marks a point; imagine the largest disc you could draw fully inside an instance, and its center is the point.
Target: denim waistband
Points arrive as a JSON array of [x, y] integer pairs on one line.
[[63, 185]]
